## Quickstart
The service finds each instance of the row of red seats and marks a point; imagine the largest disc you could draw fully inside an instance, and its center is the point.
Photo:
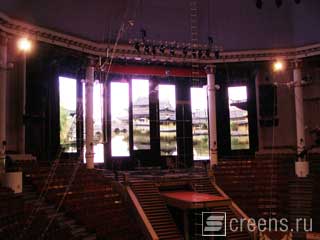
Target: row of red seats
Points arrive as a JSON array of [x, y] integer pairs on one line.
[[15, 214], [91, 201]]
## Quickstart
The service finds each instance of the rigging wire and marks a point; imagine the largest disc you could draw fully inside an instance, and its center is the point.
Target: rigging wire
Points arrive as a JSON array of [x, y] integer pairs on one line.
[[272, 152], [123, 27], [71, 180], [108, 63], [44, 191], [119, 35], [290, 85]]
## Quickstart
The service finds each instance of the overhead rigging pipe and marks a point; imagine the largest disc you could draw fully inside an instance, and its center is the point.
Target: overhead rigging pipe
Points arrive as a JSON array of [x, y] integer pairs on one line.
[[211, 86], [301, 165], [89, 115]]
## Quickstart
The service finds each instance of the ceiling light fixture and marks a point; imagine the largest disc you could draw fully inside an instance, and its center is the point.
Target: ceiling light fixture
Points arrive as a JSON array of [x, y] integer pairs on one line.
[[278, 66], [24, 45], [137, 47], [146, 49], [259, 4], [185, 51], [154, 50], [208, 52], [278, 3], [194, 54], [217, 54], [162, 48], [172, 52]]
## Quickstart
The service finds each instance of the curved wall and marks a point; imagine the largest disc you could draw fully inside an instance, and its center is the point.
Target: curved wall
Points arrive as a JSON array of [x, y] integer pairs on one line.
[[236, 25]]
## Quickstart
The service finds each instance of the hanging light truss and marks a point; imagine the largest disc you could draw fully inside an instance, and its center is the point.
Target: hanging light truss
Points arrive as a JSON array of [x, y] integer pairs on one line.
[[180, 50]]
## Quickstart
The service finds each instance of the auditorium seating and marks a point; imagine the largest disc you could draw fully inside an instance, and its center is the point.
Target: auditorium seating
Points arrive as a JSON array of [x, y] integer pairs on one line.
[[258, 185], [266, 186], [14, 216], [91, 201], [262, 187]]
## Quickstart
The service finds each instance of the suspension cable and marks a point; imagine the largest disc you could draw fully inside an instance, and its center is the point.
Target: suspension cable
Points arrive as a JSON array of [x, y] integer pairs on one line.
[[45, 188]]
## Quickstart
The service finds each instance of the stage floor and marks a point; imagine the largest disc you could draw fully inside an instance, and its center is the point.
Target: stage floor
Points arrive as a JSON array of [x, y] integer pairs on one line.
[[192, 200]]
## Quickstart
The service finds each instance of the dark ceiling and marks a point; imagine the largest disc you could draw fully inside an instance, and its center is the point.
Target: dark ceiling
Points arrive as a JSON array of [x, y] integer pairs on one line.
[[234, 24]]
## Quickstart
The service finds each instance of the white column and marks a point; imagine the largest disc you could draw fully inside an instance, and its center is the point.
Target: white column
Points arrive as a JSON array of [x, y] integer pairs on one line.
[[22, 140], [89, 117], [212, 115], [3, 90], [302, 166]]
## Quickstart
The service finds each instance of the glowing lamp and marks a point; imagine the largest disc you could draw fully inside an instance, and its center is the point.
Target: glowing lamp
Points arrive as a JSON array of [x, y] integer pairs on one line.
[[24, 45], [278, 66]]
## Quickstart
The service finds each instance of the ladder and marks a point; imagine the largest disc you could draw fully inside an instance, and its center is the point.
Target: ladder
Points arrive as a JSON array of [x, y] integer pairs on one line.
[[194, 25]]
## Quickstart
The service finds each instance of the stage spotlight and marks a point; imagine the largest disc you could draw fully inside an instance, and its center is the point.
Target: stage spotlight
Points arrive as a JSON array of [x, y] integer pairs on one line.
[[208, 52], [259, 4], [194, 54], [217, 54], [137, 47], [278, 66], [162, 48], [146, 49], [153, 50], [200, 53], [172, 53], [278, 3], [185, 51]]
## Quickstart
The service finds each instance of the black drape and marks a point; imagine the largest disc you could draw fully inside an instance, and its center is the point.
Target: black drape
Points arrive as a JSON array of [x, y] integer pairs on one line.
[[44, 67]]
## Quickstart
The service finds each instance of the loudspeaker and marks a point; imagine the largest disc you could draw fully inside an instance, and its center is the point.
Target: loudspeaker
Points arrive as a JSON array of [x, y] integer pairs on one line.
[[268, 105]]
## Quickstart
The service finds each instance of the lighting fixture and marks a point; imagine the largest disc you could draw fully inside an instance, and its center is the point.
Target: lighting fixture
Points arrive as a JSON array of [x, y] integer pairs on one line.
[[185, 51], [278, 3], [208, 52], [172, 52], [162, 48], [146, 49], [217, 54], [194, 54], [278, 66], [154, 50], [24, 45], [259, 4], [137, 47]]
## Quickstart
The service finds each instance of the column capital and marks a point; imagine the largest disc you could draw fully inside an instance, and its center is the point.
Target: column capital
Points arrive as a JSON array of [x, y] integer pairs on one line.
[[3, 38], [210, 69], [88, 83], [296, 63], [91, 62]]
